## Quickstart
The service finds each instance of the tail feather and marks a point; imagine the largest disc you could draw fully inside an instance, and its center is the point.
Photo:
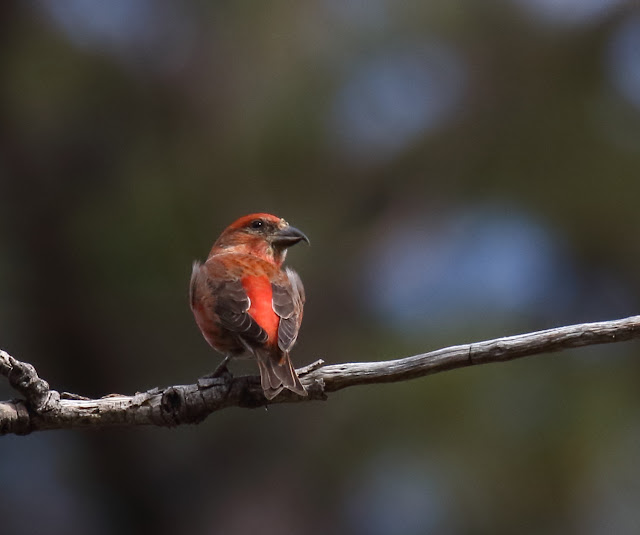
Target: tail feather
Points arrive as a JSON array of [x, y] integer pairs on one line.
[[276, 375]]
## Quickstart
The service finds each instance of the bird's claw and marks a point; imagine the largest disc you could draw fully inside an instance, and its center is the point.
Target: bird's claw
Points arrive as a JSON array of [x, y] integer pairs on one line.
[[221, 371]]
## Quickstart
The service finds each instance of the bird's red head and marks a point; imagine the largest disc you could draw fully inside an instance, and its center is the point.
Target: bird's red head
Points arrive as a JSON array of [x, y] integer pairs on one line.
[[263, 235]]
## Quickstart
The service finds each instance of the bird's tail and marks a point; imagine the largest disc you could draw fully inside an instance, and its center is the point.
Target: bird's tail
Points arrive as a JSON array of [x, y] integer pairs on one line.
[[277, 373]]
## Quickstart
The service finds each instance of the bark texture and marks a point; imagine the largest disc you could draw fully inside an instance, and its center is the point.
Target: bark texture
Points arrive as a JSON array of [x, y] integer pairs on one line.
[[42, 408]]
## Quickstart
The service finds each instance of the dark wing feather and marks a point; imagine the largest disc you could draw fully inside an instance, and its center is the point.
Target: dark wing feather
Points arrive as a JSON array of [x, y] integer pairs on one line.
[[232, 305], [288, 301], [196, 274]]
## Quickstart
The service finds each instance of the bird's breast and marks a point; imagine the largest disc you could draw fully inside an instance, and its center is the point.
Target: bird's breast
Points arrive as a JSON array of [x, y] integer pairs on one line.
[[259, 291]]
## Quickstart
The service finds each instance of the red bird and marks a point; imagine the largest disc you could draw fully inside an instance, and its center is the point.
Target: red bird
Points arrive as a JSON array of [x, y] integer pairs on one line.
[[244, 303]]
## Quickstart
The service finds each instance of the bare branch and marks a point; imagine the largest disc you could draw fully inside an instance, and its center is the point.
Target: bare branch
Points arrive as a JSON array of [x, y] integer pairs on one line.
[[43, 408]]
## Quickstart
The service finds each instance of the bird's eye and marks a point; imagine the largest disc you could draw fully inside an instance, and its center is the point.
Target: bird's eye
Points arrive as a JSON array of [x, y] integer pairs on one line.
[[257, 224]]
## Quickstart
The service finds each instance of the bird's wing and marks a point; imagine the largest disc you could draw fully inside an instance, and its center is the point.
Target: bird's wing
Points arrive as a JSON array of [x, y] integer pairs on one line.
[[288, 301], [226, 302], [232, 308]]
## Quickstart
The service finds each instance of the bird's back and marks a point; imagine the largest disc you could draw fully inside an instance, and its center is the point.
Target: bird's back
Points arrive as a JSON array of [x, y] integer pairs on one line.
[[234, 285]]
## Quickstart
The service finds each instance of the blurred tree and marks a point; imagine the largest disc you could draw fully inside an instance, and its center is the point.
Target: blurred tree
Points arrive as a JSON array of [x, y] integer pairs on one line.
[[500, 137]]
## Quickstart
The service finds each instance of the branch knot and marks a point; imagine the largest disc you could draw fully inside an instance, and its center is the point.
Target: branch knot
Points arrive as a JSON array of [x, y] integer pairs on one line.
[[23, 377], [43, 408]]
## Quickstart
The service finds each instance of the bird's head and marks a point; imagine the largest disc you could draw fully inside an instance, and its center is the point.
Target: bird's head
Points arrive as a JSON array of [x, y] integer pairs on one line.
[[263, 235]]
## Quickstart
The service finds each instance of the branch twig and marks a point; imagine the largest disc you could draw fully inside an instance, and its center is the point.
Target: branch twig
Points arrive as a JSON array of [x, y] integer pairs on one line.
[[43, 408]]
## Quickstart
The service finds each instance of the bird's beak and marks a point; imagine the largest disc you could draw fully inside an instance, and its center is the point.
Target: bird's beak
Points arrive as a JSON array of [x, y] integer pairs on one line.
[[288, 236]]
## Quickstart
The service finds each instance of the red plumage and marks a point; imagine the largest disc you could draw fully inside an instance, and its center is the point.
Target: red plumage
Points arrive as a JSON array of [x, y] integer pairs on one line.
[[243, 302]]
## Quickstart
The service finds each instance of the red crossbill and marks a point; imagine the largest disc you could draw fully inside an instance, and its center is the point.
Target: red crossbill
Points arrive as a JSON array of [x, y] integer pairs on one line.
[[245, 303]]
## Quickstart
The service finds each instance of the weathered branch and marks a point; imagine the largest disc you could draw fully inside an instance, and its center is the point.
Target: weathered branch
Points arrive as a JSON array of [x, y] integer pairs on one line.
[[43, 408]]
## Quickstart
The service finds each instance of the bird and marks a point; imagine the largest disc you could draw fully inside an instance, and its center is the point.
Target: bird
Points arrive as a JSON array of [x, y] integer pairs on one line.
[[246, 304]]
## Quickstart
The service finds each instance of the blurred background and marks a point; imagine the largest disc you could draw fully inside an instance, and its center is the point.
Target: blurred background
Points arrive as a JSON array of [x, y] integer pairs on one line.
[[465, 170]]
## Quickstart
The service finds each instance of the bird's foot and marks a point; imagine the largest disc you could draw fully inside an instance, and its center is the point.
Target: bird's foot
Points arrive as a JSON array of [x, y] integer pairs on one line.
[[221, 371]]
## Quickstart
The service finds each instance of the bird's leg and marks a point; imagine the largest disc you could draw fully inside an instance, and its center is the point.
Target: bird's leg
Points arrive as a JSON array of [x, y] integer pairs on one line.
[[221, 370]]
